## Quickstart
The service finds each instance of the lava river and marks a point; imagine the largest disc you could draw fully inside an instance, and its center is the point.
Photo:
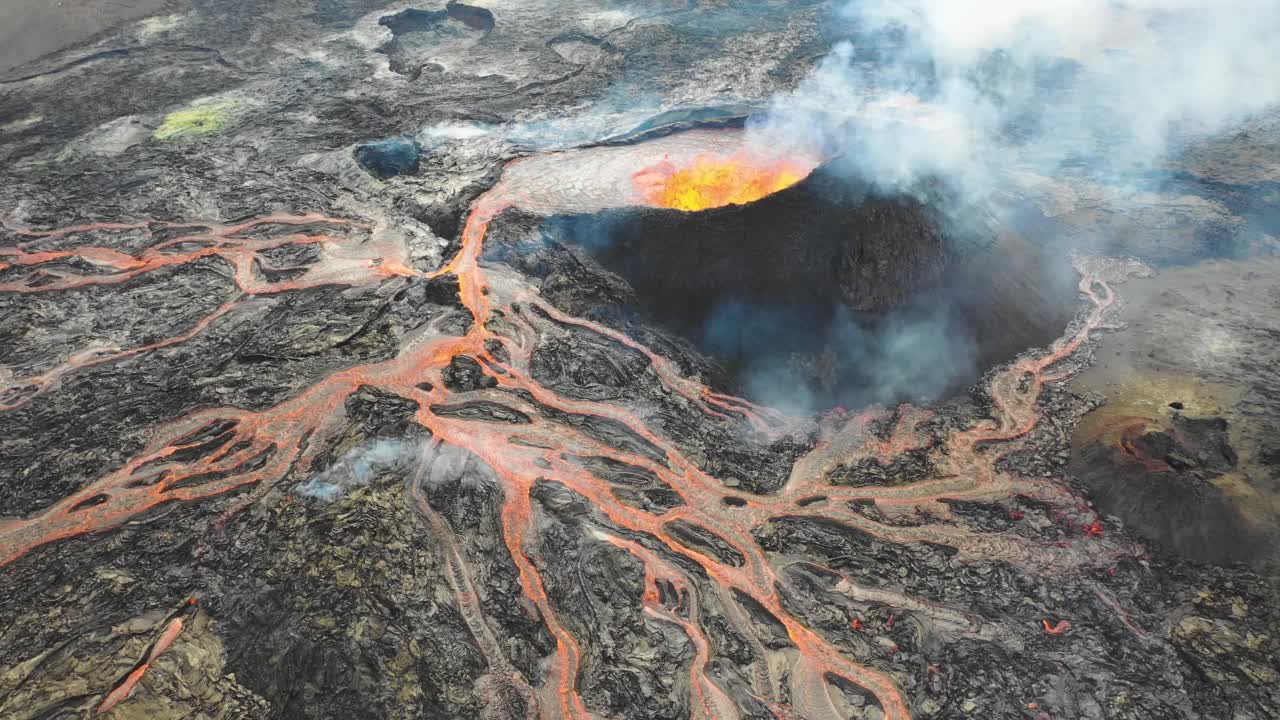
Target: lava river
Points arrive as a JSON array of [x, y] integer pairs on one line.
[[215, 450]]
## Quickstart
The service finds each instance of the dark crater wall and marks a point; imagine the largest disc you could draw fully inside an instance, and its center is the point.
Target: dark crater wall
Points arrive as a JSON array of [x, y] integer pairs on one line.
[[822, 295]]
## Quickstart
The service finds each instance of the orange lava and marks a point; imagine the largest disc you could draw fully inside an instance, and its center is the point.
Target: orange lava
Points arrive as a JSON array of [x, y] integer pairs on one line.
[[1057, 628], [167, 637], [212, 451], [712, 181]]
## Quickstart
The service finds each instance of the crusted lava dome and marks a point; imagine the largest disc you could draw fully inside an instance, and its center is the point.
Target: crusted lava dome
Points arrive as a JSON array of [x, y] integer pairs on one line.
[[1172, 471]]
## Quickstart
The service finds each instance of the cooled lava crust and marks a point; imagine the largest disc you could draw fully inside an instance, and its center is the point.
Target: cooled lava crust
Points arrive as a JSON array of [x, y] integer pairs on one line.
[[267, 451]]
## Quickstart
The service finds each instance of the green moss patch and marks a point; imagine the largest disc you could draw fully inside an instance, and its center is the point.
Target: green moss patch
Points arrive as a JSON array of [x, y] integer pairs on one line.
[[196, 121]]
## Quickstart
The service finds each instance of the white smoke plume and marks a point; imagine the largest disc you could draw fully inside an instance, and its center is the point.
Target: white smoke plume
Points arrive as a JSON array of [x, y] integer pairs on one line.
[[973, 104], [963, 90]]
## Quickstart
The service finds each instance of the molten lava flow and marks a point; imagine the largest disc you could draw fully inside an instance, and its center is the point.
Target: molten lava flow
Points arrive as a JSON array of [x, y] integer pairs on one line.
[[213, 451], [712, 181], [167, 637]]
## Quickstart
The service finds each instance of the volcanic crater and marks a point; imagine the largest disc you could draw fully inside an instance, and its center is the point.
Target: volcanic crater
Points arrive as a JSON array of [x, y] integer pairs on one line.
[[803, 286]]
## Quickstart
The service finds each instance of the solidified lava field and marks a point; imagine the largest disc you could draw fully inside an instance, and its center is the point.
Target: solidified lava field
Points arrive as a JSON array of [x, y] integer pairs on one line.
[[367, 360]]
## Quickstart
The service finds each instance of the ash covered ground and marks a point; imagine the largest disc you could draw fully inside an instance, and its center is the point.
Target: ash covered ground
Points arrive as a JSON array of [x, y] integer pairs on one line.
[[356, 362]]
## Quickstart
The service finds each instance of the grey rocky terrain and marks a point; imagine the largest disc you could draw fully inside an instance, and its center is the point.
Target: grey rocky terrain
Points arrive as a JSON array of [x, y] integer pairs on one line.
[[349, 368]]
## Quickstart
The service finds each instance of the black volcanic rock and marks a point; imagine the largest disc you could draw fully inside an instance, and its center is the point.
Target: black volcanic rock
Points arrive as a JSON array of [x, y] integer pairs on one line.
[[273, 446]]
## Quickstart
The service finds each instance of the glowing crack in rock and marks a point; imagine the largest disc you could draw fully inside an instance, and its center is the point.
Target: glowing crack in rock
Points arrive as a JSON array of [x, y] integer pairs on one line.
[[213, 451]]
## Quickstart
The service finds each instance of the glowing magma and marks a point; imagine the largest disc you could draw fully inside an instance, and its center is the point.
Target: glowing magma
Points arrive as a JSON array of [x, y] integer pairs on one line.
[[712, 181]]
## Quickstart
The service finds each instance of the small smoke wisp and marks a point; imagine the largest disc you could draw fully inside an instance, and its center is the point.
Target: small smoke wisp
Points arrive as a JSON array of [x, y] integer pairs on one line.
[[357, 468], [805, 359], [442, 466]]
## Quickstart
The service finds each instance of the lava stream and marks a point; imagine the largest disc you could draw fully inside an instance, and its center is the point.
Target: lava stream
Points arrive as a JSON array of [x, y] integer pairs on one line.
[[213, 451]]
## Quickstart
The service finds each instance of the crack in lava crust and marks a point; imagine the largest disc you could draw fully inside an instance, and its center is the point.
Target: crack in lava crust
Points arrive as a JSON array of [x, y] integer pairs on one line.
[[235, 448]]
